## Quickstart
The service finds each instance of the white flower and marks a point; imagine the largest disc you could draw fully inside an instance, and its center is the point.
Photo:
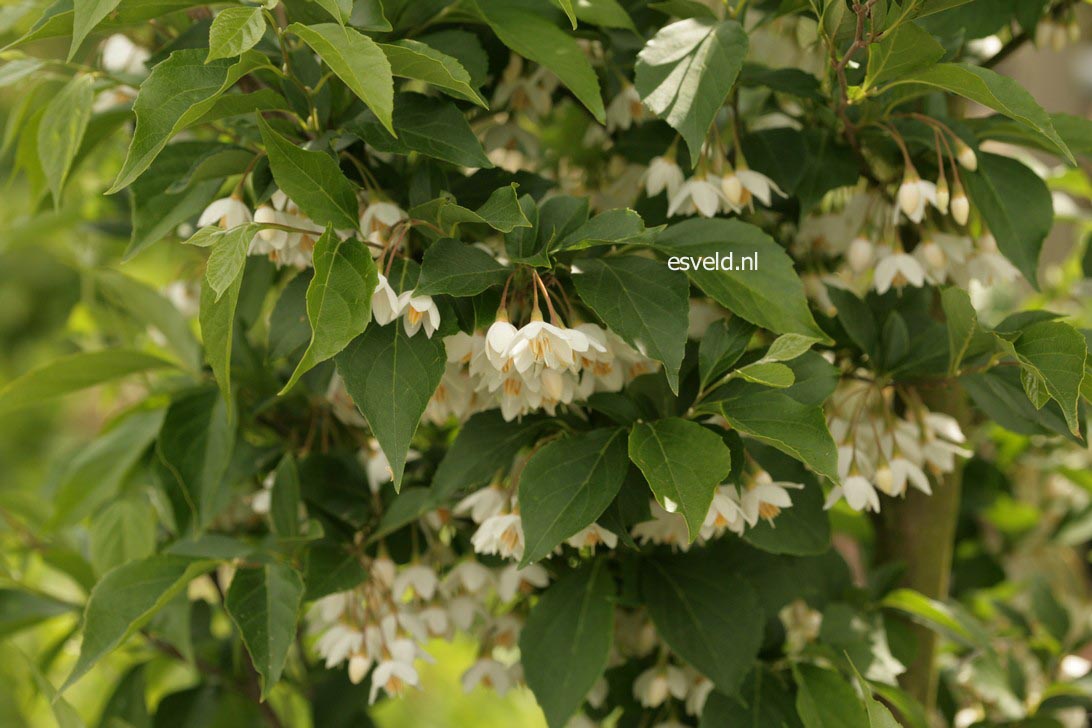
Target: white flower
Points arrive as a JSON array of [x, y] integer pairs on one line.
[[725, 512], [227, 212], [858, 492], [898, 269], [484, 503], [419, 312], [698, 693], [742, 185], [263, 499], [378, 218], [664, 528], [624, 109], [591, 536], [765, 498], [543, 344], [358, 668], [498, 341], [468, 576], [501, 535], [513, 580], [386, 304], [898, 473], [489, 673], [338, 642], [697, 194], [414, 582], [121, 55], [913, 195], [859, 254], [653, 686], [394, 674], [663, 175]]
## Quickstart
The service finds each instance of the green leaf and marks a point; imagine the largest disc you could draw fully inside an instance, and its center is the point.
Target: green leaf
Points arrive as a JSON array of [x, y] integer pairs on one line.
[[235, 31], [87, 14], [416, 60], [313, 180], [176, 94], [567, 639], [788, 347], [125, 599], [999, 394], [1019, 231], [994, 91], [391, 377], [567, 7], [962, 322], [217, 320], [284, 499], [771, 296], [228, 257], [762, 701], [72, 373], [1056, 352], [611, 227], [825, 700], [567, 485], [768, 374], [707, 615], [683, 463], [604, 13], [642, 301], [339, 299], [485, 446], [159, 208], [501, 212], [538, 39], [94, 476], [264, 604], [133, 298], [124, 531], [358, 61], [195, 444], [21, 609], [340, 10], [684, 74], [331, 569], [457, 269], [910, 48], [878, 714], [433, 127], [796, 429], [62, 128], [721, 346], [937, 616]]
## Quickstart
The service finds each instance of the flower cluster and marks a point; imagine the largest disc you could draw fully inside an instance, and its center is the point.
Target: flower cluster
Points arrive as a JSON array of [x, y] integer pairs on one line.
[[537, 366], [384, 624], [882, 452], [708, 193]]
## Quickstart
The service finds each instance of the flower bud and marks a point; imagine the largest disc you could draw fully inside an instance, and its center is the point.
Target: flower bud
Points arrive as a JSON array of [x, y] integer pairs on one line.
[[961, 208], [1059, 37], [885, 479], [934, 255], [943, 196], [1044, 33], [732, 189], [966, 156], [909, 193], [859, 254], [987, 243], [358, 668]]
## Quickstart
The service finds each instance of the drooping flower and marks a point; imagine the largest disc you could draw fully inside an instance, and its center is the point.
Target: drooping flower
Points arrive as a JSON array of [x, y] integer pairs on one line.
[[696, 194], [765, 498], [898, 270], [663, 175], [227, 213], [386, 304], [419, 312]]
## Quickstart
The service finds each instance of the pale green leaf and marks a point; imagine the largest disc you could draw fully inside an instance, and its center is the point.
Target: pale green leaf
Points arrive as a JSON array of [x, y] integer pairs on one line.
[[416, 60], [264, 604], [62, 129], [235, 31]]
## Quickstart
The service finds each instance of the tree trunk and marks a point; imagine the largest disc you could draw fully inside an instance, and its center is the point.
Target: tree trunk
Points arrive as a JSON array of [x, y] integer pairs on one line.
[[919, 532]]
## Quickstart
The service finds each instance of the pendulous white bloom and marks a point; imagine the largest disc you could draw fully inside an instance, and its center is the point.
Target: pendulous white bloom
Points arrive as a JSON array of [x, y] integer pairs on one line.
[[914, 193], [501, 535], [386, 304], [765, 498], [419, 312], [227, 213], [663, 175], [378, 218], [121, 55], [966, 156], [653, 686], [696, 194], [858, 493], [624, 109], [489, 673], [484, 503], [541, 344], [961, 207], [741, 186], [898, 270], [414, 582], [394, 674], [514, 580], [859, 254], [592, 536]]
